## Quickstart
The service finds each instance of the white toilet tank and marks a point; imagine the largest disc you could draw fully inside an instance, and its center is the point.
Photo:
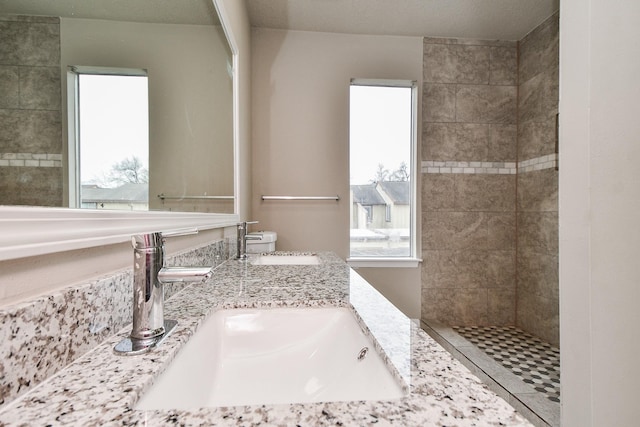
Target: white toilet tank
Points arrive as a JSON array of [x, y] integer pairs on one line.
[[266, 244]]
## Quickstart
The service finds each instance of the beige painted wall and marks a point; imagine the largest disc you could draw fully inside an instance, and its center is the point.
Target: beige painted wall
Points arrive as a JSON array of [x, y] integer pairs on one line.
[[190, 101], [599, 199], [300, 136]]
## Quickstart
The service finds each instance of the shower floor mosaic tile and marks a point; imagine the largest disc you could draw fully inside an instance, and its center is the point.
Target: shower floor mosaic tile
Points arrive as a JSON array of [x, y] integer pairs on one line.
[[534, 361]]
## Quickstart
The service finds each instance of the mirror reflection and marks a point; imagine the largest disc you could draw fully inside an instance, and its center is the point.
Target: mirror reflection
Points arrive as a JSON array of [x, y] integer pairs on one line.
[[180, 48]]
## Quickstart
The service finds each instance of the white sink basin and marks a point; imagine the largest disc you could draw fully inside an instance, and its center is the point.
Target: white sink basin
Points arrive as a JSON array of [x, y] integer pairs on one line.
[[274, 356], [286, 260]]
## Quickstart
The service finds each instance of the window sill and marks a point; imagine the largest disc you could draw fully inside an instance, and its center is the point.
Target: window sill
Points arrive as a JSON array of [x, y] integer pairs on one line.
[[384, 262]]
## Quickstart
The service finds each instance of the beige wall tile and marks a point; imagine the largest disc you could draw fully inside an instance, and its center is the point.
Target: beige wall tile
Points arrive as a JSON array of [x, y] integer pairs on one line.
[[472, 142], [453, 230], [538, 97], [536, 139], [30, 131], [538, 231], [503, 66], [440, 63], [503, 143], [468, 230], [439, 102], [540, 317], [468, 269], [455, 307], [469, 42], [501, 306], [39, 44], [539, 49], [28, 43], [479, 192], [469, 142], [537, 198], [9, 86], [31, 186], [501, 231], [486, 104], [472, 64], [468, 192], [438, 192], [456, 141], [537, 273], [439, 141], [10, 36], [538, 191], [40, 88]]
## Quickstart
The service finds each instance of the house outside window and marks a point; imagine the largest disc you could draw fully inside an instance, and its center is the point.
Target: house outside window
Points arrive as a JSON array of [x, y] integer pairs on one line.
[[382, 162]]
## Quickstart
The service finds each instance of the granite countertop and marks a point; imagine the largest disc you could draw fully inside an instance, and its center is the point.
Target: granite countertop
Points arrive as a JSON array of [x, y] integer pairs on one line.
[[101, 388]]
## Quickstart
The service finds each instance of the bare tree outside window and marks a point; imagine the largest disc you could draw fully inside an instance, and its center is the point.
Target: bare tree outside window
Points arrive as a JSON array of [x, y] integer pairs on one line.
[[129, 171]]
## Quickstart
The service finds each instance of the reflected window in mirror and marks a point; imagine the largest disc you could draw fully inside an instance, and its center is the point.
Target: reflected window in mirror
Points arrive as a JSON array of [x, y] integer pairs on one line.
[[191, 124], [110, 140]]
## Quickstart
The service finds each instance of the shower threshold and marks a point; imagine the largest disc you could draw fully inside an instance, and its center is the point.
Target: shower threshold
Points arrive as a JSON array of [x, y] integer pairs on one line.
[[541, 408]]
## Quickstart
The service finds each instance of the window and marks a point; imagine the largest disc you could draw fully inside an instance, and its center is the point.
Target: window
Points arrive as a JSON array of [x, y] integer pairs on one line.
[[109, 139], [382, 147]]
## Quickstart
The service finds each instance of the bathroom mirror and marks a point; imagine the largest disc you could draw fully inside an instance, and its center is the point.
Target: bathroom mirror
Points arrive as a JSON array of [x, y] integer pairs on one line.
[[182, 48], [37, 228]]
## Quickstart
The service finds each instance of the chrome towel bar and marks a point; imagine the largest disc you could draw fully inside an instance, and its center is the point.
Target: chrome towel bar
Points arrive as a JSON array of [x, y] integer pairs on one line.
[[162, 196], [336, 198]]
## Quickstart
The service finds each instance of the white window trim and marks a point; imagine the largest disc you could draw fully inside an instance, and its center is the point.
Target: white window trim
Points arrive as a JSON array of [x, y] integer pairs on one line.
[[73, 114], [412, 260], [397, 262]]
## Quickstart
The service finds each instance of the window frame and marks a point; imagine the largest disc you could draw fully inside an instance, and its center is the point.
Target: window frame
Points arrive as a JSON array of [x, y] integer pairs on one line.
[[412, 260], [73, 121]]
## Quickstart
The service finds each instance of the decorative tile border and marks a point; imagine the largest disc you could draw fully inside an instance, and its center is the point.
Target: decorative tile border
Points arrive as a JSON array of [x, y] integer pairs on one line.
[[498, 168], [36, 160], [538, 163]]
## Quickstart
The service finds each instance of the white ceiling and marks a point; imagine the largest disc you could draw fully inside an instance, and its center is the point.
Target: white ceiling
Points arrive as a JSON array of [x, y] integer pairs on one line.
[[478, 19], [198, 12]]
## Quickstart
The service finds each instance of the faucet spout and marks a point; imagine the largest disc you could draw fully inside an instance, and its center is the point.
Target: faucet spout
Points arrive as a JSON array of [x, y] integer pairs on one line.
[[149, 276]]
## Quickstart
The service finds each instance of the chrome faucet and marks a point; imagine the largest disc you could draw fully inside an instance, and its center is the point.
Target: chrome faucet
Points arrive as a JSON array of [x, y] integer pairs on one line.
[[243, 237], [149, 276]]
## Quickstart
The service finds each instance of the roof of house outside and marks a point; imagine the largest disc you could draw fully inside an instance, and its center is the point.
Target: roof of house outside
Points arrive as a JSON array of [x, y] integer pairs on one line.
[[398, 191], [367, 195], [125, 193]]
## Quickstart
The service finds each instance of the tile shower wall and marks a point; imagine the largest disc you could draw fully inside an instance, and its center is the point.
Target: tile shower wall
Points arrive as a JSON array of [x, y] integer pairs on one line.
[[30, 111], [469, 151], [537, 197]]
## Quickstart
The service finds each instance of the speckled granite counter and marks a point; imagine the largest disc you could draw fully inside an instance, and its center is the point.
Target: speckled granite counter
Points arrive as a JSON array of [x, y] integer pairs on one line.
[[100, 388]]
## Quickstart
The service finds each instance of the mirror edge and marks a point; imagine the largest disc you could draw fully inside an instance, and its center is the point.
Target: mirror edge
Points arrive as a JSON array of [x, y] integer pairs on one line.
[[31, 231], [223, 16]]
